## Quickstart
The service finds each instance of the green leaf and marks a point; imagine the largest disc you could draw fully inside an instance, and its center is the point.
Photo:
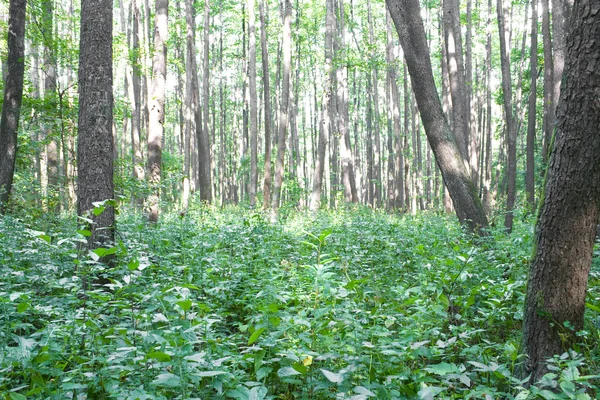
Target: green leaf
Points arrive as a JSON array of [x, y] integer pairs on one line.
[[287, 371], [429, 392], [170, 380], [17, 396], [332, 376], [442, 369], [159, 356], [204, 374], [300, 367], [98, 210], [254, 337], [592, 307], [85, 232], [46, 238], [185, 304], [22, 307]]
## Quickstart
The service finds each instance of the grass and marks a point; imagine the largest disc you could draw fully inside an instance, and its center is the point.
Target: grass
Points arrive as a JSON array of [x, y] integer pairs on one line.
[[352, 304]]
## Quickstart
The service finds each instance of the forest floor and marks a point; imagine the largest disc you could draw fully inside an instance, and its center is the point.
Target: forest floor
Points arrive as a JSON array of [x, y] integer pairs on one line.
[[352, 304]]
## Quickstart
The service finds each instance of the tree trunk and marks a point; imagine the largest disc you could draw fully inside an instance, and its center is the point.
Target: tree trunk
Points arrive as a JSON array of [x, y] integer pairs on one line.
[[285, 97], [549, 102], [350, 195], [191, 99], [253, 103], [324, 122], [204, 156], [511, 132], [267, 99], [157, 107], [13, 96], [136, 115], [566, 228], [456, 72], [407, 18], [95, 144], [530, 167], [396, 158]]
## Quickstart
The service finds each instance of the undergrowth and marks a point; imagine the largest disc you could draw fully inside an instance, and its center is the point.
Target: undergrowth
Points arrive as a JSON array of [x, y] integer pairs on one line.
[[354, 304]]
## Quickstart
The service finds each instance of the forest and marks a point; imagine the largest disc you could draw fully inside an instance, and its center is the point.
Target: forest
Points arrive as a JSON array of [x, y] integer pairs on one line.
[[300, 199]]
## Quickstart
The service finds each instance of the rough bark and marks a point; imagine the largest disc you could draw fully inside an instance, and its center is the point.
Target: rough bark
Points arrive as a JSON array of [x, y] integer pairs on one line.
[[285, 98], [568, 217], [13, 96], [324, 122], [407, 19], [267, 100], [191, 99], [530, 173], [95, 142], [511, 131], [157, 107]]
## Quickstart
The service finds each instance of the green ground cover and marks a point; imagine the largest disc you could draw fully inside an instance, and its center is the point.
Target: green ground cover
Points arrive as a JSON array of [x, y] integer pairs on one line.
[[354, 304]]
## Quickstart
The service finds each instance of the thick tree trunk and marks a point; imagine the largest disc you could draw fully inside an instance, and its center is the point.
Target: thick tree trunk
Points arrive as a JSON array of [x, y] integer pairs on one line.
[[95, 144], [530, 167], [566, 228], [285, 98], [267, 99], [253, 103], [511, 131], [407, 18], [13, 96], [157, 107], [324, 123]]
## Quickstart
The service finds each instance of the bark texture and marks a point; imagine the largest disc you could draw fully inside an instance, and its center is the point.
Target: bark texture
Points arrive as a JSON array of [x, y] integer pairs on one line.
[[13, 96], [253, 103], [95, 141], [407, 19], [204, 139], [569, 214], [529, 174]]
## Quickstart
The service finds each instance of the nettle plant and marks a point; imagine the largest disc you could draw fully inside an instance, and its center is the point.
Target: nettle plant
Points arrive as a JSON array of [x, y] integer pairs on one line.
[[225, 304]]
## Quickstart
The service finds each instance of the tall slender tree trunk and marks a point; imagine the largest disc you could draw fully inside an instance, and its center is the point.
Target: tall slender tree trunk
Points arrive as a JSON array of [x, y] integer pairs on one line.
[[396, 162], [407, 18], [530, 167], [191, 99], [253, 103], [566, 227], [350, 194], [136, 115], [204, 156], [285, 98], [267, 100], [549, 102], [95, 142], [511, 131], [324, 123], [456, 72], [13, 96], [157, 107]]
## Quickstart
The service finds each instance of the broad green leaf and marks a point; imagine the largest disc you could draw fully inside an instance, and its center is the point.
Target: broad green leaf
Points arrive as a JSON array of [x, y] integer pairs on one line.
[[300, 368], [258, 393], [429, 392], [170, 380], [185, 305], [364, 391], [592, 307], [17, 396], [159, 356], [442, 368], [198, 357], [255, 335], [22, 307], [332, 376], [287, 371]]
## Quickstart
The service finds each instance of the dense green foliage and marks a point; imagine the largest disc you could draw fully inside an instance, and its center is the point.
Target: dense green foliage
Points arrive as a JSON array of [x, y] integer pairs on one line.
[[225, 304]]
